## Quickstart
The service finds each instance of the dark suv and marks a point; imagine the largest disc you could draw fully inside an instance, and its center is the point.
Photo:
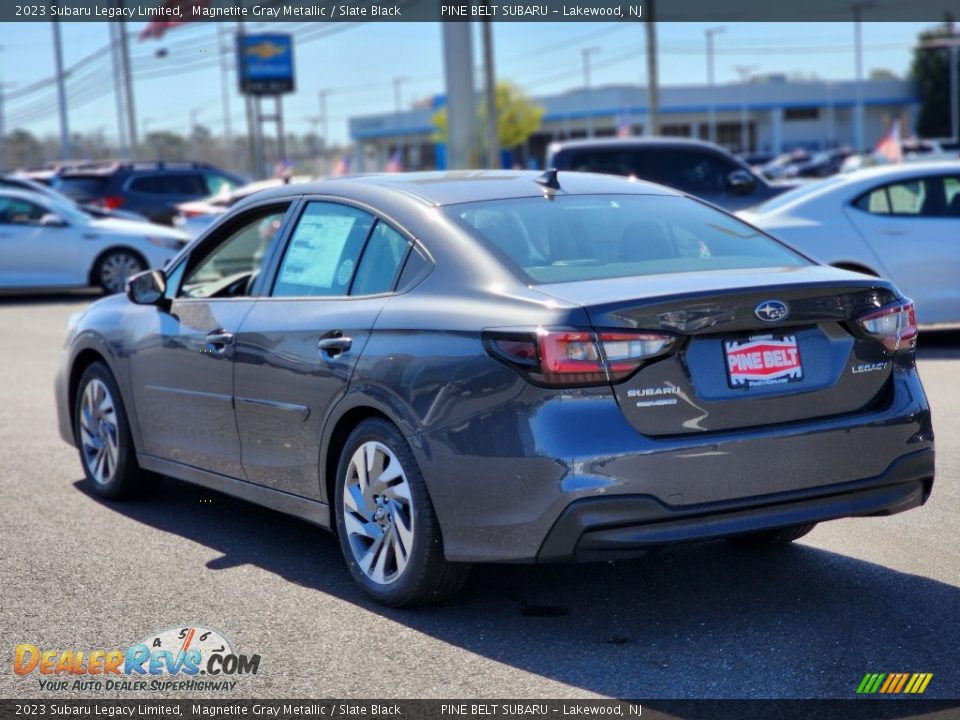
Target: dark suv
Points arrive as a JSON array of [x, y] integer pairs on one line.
[[151, 189], [691, 166]]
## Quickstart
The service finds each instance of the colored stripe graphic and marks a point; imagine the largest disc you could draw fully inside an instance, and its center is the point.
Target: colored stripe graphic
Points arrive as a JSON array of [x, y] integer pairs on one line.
[[894, 683]]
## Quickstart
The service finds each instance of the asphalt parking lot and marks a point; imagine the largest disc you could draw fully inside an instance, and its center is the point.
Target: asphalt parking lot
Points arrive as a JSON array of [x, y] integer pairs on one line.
[[703, 621]]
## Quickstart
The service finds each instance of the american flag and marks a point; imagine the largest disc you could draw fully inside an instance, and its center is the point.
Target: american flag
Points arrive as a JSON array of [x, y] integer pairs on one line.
[[343, 166], [157, 28], [890, 146], [395, 164]]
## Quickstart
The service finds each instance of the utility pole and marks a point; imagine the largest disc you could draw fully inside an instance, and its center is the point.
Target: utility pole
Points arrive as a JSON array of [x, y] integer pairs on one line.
[[223, 46], [122, 146], [711, 106], [652, 126], [61, 93], [128, 86], [586, 53], [490, 94], [3, 129], [954, 90], [858, 131]]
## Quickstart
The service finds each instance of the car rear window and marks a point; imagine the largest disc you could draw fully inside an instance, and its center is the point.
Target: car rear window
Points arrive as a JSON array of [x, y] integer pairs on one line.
[[588, 237], [82, 187]]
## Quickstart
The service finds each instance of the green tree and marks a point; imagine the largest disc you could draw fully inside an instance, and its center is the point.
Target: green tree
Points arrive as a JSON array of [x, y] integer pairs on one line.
[[931, 71], [518, 117]]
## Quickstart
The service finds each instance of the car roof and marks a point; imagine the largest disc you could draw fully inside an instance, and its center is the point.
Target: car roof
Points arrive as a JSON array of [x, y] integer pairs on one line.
[[633, 142], [25, 195], [464, 186], [880, 172]]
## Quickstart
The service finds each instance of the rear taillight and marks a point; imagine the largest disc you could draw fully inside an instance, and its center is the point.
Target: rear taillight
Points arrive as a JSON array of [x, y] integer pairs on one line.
[[894, 326], [578, 357], [110, 202]]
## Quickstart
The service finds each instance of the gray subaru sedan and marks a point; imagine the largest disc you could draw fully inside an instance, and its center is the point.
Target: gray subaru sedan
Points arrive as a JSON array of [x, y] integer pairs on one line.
[[446, 368]]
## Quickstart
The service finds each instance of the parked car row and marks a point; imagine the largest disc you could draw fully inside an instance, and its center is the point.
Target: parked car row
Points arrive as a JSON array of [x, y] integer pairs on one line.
[[897, 221]]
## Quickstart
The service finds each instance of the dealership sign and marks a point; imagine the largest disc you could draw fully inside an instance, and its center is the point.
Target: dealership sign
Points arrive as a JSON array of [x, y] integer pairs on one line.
[[266, 63]]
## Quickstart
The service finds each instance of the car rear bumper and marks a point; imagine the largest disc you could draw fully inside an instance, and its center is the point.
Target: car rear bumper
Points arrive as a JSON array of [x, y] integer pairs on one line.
[[613, 528], [508, 484]]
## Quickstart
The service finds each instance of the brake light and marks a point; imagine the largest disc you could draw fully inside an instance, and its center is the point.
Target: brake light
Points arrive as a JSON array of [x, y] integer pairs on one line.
[[895, 326], [111, 202], [578, 357]]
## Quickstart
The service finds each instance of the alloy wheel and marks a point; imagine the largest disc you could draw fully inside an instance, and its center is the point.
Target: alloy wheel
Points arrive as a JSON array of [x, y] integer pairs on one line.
[[116, 269], [378, 514], [99, 434]]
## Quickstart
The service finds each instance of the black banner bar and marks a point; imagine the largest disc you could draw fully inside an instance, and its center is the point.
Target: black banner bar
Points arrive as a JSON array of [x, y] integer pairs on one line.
[[465, 10], [202, 709]]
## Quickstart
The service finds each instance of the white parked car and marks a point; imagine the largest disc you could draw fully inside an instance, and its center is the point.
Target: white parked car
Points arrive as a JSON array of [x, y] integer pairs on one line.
[[896, 221], [45, 244]]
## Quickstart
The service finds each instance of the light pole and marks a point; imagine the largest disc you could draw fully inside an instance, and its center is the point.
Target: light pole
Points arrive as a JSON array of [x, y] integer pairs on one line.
[[398, 108], [652, 126], [193, 133], [223, 50], [744, 71], [586, 53], [858, 133], [322, 96], [709, 33]]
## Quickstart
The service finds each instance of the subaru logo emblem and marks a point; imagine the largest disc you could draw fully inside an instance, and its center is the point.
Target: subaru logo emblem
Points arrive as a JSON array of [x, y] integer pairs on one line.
[[771, 310]]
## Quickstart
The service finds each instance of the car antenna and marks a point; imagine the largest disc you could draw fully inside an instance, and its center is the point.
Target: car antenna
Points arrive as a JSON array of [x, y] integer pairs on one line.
[[548, 180]]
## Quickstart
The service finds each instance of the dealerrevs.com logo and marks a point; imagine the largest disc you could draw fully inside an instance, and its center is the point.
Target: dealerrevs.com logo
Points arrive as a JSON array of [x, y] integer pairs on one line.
[[186, 658]]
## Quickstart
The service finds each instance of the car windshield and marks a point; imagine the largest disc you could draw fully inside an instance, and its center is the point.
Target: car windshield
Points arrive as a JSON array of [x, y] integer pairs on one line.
[[588, 237], [801, 191], [66, 210]]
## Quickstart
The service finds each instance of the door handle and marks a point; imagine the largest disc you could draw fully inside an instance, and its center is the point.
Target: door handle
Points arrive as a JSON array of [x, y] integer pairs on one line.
[[334, 343], [219, 341]]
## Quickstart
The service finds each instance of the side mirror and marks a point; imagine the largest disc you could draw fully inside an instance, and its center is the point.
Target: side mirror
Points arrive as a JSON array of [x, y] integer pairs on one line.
[[52, 220], [147, 288], [741, 182]]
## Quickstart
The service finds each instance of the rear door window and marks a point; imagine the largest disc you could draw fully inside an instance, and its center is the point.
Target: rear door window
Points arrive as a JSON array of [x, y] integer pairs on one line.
[[691, 171], [322, 254], [919, 197], [381, 261]]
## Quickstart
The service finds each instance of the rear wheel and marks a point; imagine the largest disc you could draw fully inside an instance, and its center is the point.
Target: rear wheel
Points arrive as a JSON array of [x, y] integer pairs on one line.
[[386, 525], [115, 268], [778, 536], [103, 438]]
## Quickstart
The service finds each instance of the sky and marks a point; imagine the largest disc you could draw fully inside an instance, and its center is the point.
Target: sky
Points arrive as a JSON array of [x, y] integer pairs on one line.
[[358, 62]]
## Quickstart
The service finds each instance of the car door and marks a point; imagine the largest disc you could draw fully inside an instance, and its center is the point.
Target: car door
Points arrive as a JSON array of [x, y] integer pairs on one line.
[[181, 361], [34, 254], [913, 228], [298, 346]]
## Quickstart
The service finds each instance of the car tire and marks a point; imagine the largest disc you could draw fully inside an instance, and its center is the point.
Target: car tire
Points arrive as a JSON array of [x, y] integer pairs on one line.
[[388, 530], [115, 268], [107, 454], [777, 536]]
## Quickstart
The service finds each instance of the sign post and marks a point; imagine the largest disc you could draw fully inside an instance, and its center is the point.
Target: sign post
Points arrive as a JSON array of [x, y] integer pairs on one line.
[[265, 62]]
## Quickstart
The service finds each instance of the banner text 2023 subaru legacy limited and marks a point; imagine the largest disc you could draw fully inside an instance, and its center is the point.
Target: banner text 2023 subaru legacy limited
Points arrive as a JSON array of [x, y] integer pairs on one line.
[[448, 368]]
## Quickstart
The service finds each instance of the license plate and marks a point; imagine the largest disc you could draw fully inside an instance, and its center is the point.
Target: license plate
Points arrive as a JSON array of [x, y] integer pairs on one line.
[[762, 360]]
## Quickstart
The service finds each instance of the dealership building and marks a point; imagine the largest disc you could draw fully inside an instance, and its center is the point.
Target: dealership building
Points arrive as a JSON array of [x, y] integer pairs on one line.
[[772, 114]]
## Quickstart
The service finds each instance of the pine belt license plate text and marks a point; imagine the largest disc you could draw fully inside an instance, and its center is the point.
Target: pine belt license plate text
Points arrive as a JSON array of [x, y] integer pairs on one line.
[[762, 360]]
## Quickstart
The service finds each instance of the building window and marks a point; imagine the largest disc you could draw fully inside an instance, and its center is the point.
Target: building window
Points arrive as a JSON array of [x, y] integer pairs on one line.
[[676, 130], [801, 113]]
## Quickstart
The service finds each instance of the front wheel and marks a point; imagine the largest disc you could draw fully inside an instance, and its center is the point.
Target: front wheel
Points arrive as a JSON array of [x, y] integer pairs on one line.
[[115, 268], [386, 525], [103, 438], [778, 536]]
